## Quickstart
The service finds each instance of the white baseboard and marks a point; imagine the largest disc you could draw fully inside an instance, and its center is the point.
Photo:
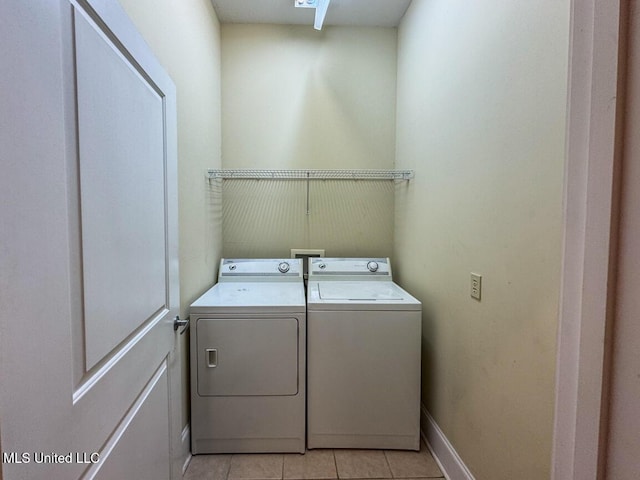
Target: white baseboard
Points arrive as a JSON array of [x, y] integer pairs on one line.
[[186, 447], [443, 452]]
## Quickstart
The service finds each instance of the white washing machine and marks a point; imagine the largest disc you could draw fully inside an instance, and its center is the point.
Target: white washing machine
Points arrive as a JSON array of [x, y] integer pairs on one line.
[[363, 357], [248, 359]]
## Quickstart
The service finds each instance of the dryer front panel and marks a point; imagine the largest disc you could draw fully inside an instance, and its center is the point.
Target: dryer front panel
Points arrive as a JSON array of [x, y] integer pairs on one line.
[[247, 356]]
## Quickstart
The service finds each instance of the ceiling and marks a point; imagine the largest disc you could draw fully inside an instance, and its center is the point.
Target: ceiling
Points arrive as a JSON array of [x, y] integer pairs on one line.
[[374, 13]]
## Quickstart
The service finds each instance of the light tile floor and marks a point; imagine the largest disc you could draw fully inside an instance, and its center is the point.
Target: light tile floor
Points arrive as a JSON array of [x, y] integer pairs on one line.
[[316, 465]]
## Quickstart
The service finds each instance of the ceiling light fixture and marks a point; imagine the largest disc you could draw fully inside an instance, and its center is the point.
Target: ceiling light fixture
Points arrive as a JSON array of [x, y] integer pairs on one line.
[[321, 7]]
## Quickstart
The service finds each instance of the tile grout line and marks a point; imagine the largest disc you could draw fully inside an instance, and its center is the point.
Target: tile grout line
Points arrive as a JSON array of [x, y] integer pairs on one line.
[[388, 464], [226, 477], [335, 462]]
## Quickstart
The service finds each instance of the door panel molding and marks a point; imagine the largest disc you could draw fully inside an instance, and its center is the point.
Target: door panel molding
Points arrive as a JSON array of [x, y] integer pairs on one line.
[[101, 371], [122, 167], [157, 385]]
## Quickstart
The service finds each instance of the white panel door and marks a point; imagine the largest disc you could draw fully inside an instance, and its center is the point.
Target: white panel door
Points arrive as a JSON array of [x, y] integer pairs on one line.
[[88, 247]]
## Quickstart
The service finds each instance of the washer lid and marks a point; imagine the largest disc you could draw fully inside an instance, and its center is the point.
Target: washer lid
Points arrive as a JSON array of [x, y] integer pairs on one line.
[[359, 296], [368, 291]]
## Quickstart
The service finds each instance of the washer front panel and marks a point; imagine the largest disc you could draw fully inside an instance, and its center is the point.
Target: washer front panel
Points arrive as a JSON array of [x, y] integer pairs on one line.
[[363, 379]]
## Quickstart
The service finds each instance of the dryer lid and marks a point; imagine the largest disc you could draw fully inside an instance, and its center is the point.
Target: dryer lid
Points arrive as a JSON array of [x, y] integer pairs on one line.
[[250, 296]]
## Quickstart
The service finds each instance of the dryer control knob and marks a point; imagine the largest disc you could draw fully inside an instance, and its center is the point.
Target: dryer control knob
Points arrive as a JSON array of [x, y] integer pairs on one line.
[[322, 266], [283, 267], [232, 267], [372, 266]]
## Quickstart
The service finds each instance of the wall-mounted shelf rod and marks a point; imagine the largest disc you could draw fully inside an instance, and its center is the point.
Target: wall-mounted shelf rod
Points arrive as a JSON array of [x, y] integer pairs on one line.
[[230, 174]]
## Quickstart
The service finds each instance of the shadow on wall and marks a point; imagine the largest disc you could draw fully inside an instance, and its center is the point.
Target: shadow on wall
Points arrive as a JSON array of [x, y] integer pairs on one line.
[[266, 218], [429, 326], [214, 202]]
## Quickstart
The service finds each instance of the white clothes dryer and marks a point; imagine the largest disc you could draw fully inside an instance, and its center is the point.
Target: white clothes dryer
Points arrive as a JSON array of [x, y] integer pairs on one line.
[[248, 359], [363, 357]]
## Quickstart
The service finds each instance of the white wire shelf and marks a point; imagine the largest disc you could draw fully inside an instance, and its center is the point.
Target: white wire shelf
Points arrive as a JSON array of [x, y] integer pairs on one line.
[[230, 174]]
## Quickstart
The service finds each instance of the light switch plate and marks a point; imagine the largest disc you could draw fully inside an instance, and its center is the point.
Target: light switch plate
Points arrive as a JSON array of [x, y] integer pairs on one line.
[[476, 285]]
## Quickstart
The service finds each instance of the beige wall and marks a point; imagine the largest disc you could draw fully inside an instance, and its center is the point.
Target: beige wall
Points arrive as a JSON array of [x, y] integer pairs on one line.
[[623, 462], [185, 37], [481, 118], [293, 97]]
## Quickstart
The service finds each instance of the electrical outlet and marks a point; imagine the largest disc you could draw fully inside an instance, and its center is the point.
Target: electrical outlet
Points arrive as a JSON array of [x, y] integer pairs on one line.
[[476, 285]]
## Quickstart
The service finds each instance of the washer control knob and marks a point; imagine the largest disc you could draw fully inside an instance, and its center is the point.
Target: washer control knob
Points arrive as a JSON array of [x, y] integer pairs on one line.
[[322, 266], [372, 266], [283, 267], [232, 267]]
